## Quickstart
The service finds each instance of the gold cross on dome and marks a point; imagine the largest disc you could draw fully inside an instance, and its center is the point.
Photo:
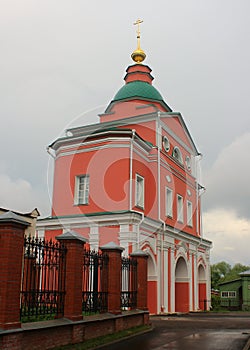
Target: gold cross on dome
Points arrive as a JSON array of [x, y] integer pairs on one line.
[[138, 22]]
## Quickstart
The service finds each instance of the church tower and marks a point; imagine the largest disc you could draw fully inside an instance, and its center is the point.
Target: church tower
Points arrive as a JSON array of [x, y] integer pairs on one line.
[[131, 179]]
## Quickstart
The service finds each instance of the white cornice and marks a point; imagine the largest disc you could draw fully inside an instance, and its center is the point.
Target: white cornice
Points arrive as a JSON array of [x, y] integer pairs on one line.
[[69, 143], [91, 149], [112, 219], [89, 129], [85, 131], [86, 221], [188, 238], [89, 143], [66, 149]]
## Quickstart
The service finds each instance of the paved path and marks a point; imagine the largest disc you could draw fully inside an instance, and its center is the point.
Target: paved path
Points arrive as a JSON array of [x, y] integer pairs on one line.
[[192, 332]]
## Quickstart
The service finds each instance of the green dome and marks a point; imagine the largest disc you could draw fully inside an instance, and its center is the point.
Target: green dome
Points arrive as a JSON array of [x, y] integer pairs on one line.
[[138, 89]]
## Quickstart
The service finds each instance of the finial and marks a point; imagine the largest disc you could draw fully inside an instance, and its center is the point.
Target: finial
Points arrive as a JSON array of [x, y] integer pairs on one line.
[[138, 55], [138, 22]]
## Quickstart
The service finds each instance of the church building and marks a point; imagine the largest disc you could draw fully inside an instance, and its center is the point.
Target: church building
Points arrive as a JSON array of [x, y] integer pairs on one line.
[[132, 179]]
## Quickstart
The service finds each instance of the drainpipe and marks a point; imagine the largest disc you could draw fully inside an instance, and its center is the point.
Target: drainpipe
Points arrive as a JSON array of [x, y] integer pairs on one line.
[[158, 142], [200, 225], [201, 222], [131, 188], [197, 160], [158, 130], [131, 169], [138, 231]]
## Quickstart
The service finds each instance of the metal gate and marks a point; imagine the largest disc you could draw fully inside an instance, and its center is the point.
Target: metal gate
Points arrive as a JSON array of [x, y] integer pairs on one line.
[[129, 284], [43, 279], [95, 282]]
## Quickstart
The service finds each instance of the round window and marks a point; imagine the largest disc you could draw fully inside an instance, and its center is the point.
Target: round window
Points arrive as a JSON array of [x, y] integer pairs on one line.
[[166, 143]]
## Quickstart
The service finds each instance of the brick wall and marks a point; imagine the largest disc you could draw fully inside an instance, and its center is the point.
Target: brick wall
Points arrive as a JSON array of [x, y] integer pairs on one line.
[[50, 334]]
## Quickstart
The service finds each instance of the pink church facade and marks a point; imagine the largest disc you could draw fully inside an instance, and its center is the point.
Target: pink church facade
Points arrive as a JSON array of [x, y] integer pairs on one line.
[[132, 179]]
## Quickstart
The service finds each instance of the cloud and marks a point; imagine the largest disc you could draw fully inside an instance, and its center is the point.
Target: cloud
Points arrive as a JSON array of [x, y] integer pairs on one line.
[[230, 235], [19, 195], [227, 181], [226, 216]]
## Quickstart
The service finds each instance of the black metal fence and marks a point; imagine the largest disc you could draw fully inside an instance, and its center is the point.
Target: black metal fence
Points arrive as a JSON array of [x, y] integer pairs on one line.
[[129, 284], [95, 282], [219, 304], [43, 279]]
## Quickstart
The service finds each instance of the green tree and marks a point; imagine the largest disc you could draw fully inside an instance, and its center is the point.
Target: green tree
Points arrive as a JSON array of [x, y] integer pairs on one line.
[[222, 271], [235, 271], [218, 273]]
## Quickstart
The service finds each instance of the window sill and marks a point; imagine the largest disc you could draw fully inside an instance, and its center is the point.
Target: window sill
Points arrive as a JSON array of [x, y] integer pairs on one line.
[[139, 207], [80, 204]]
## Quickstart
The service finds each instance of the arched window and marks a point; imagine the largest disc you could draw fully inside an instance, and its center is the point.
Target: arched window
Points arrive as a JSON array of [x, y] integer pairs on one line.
[[177, 155]]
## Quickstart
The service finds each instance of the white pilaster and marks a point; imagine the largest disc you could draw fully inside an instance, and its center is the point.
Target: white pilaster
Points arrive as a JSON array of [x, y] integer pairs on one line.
[[190, 280], [124, 237], [40, 233], [208, 277], [159, 279], [165, 279], [94, 237], [196, 293], [172, 281]]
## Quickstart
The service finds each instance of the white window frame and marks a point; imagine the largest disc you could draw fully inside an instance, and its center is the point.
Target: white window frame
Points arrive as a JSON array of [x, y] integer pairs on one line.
[[180, 216], [228, 294], [81, 190], [139, 191], [169, 202], [189, 213]]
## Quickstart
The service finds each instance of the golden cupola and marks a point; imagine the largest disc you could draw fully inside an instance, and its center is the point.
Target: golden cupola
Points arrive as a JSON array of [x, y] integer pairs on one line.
[[138, 55]]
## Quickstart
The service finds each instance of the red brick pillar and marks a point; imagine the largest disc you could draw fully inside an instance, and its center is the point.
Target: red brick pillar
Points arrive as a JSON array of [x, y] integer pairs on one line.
[[114, 276], [73, 274], [142, 278], [12, 229]]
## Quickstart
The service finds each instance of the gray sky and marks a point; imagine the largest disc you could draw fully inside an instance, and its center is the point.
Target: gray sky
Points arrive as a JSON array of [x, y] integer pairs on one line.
[[61, 59]]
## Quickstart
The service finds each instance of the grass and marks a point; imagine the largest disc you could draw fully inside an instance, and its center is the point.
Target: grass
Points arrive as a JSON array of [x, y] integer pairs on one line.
[[94, 343], [37, 318]]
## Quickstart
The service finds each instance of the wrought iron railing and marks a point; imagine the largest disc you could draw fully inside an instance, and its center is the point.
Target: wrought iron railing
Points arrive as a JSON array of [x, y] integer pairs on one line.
[[231, 304], [129, 284], [95, 282], [43, 279]]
